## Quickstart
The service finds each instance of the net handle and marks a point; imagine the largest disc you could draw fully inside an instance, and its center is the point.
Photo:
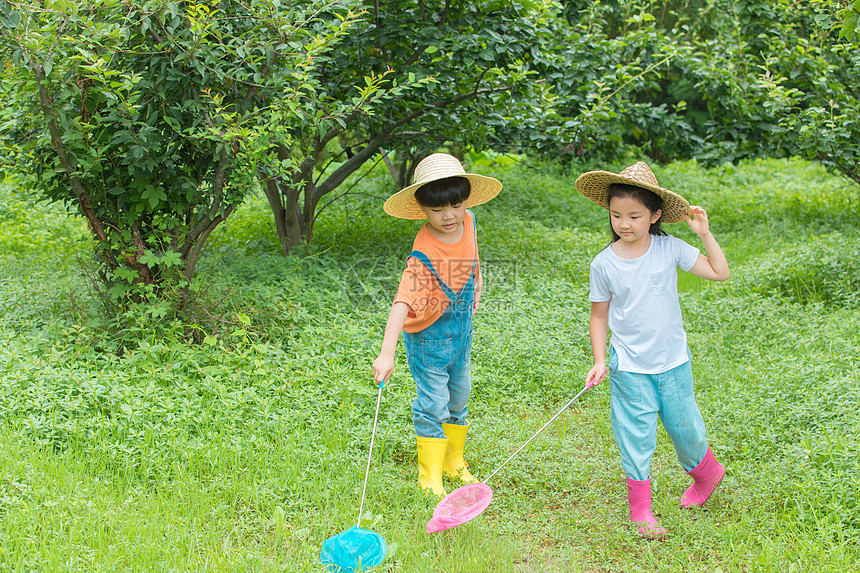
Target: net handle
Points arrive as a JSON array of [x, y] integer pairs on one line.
[[370, 454], [572, 400]]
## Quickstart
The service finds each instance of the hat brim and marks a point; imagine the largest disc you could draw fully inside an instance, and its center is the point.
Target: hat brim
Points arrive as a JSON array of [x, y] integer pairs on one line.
[[403, 204], [595, 186]]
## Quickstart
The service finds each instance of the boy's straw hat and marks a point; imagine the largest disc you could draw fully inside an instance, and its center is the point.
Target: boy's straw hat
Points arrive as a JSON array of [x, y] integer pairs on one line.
[[432, 168], [595, 186]]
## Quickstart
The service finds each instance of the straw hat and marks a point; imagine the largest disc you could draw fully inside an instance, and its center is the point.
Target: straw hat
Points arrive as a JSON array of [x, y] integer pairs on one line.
[[432, 168], [595, 186]]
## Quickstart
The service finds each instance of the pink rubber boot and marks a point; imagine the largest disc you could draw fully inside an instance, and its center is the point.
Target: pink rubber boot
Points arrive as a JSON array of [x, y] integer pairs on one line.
[[706, 477], [639, 499]]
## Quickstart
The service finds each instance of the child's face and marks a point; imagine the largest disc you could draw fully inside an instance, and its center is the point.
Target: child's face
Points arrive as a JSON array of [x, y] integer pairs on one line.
[[446, 222], [631, 219]]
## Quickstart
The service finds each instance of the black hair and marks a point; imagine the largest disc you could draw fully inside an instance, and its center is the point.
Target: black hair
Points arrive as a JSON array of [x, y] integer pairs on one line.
[[443, 192], [651, 200]]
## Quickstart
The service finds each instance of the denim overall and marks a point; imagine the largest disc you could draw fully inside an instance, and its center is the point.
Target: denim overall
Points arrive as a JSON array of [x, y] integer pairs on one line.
[[439, 359]]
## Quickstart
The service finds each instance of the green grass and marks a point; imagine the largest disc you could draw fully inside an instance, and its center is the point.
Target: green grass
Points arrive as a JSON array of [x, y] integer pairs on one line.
[[246, 452]]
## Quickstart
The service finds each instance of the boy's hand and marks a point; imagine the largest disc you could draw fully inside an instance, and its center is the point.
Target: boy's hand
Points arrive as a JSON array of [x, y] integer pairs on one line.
[[596, 375], [383, 367], [699, 221]]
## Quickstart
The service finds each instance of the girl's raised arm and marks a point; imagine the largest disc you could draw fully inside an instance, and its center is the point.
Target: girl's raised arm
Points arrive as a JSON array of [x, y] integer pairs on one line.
[[712, 266]]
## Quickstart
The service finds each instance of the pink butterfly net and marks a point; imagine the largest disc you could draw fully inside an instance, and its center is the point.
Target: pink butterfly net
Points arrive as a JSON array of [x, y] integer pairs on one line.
[[469, 501], [461, 505]]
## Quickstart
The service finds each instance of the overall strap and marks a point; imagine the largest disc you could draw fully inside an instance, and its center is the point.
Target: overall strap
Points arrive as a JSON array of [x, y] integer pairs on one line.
[[474, 237], [449, 292], [425, 260]]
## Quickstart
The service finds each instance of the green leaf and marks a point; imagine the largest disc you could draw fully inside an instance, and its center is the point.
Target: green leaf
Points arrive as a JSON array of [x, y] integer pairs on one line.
[[126, 274], [153, 195], [149, 259]]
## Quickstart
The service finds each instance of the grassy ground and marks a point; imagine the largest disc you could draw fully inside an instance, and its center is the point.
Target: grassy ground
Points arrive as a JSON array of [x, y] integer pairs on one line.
[[139, 452]]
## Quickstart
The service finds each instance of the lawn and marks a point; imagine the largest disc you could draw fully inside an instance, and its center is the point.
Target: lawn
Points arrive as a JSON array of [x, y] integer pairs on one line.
[[238, 441]]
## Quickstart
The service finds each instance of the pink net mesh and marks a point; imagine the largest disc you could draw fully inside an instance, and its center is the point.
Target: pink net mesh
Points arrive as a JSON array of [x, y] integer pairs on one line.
[[461, 505]]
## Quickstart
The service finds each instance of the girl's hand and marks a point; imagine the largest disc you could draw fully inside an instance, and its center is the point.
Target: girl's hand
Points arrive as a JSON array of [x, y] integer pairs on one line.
[[712, 265], [383, 367], [699, 221], [596, 375]]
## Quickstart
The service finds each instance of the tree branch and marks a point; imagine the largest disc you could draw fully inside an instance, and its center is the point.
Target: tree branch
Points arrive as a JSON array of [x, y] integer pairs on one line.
[[47, 105], [194, 254], [347, 192], [351, 165], [134, 261], [212, 214]]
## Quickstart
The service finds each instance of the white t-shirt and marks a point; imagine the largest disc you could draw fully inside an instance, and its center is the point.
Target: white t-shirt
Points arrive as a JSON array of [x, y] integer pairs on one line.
[[644, 312]]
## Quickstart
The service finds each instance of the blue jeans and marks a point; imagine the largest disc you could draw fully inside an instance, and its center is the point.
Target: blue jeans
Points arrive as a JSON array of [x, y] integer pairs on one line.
[[637, 400]]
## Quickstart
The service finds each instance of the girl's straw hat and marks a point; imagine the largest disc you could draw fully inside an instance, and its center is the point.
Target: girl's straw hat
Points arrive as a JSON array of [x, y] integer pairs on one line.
[[432, 168], [595, 186]]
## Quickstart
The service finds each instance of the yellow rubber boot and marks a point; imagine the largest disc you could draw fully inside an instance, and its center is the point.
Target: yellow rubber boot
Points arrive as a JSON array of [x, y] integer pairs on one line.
[[454, 464], [431, 455]]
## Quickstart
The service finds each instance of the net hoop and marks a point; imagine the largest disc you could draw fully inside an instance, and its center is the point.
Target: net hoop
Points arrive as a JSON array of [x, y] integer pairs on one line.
[[460, 506], [353, 550]]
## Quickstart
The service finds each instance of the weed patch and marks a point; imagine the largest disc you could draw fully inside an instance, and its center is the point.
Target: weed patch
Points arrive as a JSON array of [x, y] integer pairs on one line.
[[819, 270]]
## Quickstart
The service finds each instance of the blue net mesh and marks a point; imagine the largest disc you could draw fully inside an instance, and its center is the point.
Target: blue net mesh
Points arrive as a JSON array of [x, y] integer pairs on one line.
[[353, 550]]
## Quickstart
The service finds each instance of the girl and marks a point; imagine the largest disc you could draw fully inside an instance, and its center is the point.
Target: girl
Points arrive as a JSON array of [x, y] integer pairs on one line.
[[439, 292], [633, 293]]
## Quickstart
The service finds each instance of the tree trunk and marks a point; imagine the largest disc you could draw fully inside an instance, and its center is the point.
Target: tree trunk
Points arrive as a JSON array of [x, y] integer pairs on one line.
[[290, 221], [296, 231], [273, 194]]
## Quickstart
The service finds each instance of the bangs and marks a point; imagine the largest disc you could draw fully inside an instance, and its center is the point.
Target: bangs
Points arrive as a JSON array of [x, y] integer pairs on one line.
[[443, 192]]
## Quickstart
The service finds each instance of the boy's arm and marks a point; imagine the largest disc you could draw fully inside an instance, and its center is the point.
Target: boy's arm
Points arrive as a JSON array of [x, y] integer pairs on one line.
[[383, 366], [597, 329], [712, 266]]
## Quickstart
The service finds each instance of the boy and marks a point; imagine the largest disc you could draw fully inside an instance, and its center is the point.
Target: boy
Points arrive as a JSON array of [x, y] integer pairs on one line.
[[439, 292]]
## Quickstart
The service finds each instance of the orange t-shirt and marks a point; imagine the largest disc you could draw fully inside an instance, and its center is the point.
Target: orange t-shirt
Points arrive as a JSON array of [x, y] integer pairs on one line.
[[452, 262]]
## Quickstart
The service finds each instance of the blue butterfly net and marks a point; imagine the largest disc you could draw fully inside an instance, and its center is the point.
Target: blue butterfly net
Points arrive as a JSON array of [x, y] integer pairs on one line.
[[354, 550]]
